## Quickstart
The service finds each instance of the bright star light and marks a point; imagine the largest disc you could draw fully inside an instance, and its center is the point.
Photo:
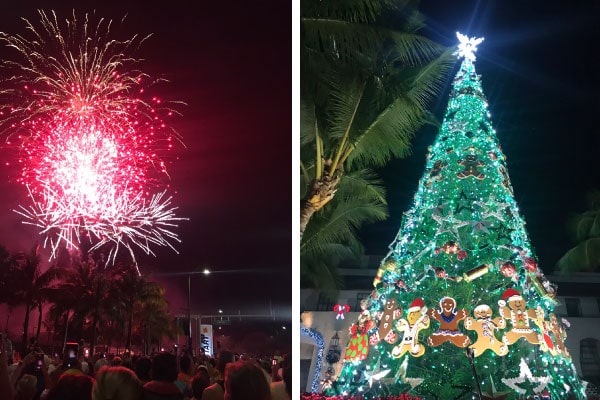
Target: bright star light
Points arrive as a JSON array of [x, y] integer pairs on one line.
[[467, 46]]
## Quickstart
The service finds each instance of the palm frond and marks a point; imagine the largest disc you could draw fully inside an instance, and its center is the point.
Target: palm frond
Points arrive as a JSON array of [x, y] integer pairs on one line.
[[340, 223], [363, 184], [583, 226], [360, 11], [321, 271], [345, 99], [585, 257], [348, 44], [307, 124], [389, 135], [411, 49], [429, 80]]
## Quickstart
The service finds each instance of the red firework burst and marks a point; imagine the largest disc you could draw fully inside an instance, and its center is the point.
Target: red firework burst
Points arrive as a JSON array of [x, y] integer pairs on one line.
[[91, 143]]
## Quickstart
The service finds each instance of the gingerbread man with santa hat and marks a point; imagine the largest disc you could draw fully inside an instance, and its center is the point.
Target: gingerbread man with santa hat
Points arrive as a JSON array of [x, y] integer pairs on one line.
[[416, 320], [519, 316]]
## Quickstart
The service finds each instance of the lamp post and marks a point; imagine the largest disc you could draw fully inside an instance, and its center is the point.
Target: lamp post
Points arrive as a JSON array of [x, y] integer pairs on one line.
[[189, 274], [206, 272], [189, 314]]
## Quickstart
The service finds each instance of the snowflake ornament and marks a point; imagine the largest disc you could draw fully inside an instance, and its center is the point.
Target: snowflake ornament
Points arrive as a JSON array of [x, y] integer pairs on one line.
[[467, 46], [526, 375]]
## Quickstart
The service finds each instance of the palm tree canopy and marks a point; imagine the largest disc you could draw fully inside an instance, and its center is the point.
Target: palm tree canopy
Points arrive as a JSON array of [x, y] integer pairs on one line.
[[584, 230], [367, 78]]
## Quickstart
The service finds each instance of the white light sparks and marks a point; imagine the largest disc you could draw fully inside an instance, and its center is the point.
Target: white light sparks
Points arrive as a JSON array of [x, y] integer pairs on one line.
[[467, 46]]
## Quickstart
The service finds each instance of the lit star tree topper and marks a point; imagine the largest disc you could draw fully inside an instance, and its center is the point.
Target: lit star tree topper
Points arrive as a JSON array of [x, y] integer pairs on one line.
[[467, 46]]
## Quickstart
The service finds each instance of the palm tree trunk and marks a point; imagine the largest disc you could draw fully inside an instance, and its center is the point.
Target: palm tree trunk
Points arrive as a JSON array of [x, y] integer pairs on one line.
[[306, 212], [39, 326], [25, 329], [146, 339], [321, 192], [95, 319], [66, 330], [129, 328]]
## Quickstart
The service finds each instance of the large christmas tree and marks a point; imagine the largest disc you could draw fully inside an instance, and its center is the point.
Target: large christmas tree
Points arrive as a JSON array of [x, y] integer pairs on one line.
[[460, 305]]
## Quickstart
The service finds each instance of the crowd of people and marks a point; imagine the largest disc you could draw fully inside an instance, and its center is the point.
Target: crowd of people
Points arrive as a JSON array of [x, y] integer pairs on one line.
[[163, 376]]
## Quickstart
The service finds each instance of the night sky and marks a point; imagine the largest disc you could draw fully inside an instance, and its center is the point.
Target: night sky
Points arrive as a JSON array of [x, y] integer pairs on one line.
[[541, 76], [231, 64]]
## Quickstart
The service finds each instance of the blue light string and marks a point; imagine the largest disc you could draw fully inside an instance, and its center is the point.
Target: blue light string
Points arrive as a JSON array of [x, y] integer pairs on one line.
[[318, 338]]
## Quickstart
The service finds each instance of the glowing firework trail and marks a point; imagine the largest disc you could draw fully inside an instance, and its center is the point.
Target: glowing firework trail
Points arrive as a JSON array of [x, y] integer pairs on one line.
[[137, 223], [90, 143]]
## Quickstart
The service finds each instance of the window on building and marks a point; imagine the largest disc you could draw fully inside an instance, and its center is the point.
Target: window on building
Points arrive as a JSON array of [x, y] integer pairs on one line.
[[590, 359], [360, 296], [304, 370], [325, 304], [573, 307]]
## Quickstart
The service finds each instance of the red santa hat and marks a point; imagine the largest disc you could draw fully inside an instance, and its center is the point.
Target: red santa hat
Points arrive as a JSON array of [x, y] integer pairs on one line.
[[510, 292], [416, 305]]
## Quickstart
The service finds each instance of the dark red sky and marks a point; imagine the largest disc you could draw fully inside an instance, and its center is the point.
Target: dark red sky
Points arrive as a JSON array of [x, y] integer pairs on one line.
[[231, 64]]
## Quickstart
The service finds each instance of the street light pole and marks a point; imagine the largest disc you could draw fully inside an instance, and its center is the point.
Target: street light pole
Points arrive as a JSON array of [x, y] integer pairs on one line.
[[189, 274], [205, 272], [189, 315]]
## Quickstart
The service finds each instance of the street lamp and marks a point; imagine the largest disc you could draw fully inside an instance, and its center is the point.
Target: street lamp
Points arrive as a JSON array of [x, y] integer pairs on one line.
[[206, 272]]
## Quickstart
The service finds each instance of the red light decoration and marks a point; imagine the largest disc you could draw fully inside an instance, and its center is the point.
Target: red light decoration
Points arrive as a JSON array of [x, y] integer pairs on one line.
[[340, 310], [530, 264], [508, 269]]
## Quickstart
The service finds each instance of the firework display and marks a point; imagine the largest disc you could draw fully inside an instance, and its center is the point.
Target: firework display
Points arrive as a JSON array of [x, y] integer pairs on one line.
[[91, 142]]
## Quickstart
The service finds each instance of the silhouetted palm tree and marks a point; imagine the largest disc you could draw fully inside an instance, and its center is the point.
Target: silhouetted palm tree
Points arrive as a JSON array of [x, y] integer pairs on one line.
[[31, 287], [151, 315], [584, 229]]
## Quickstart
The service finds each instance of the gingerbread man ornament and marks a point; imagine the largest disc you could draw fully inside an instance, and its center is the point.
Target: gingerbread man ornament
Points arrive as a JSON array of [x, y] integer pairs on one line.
[[390, 313], [448, 317], [416, 320], [519, 316], [471, 167], [559, 336], [546, 342], [486, 327]]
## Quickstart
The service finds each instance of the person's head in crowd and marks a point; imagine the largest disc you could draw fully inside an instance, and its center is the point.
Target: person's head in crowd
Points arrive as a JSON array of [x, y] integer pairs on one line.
[[285, 362], [72, 387], [245, 380], [127, 363], [116, 383], [26, 388], [117, 361], [164, 367], [266, 365], [200, 381], [185, 364], [101, 362], [225, 357], [287, 379], [85, 367], [143, 365]]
